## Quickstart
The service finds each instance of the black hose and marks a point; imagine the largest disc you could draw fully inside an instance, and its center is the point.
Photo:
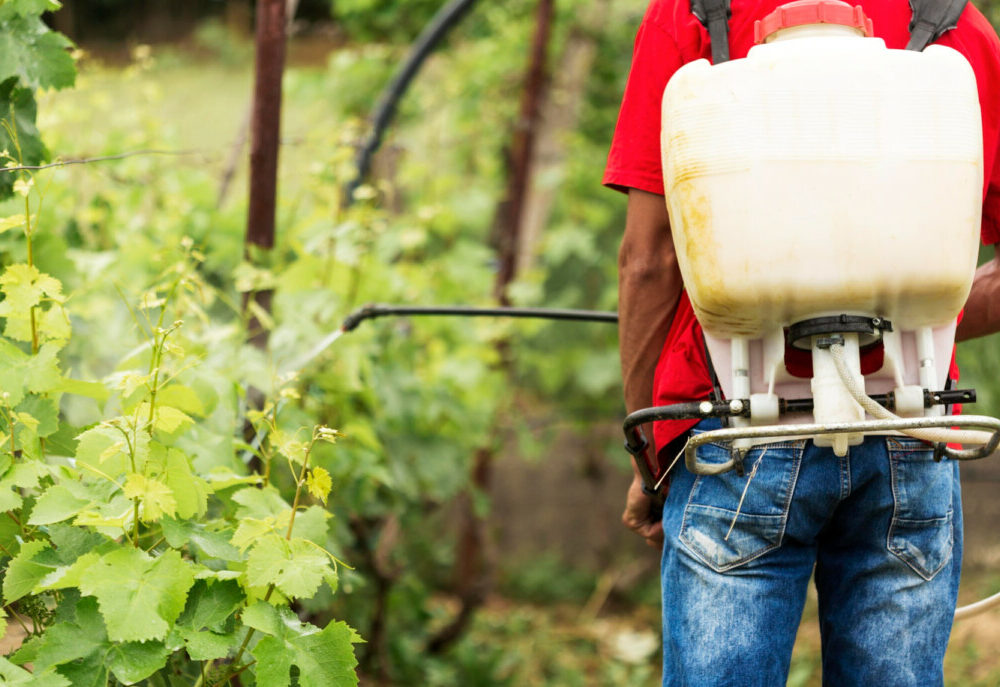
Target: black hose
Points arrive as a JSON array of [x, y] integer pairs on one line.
[[445, 19], [370, 312]]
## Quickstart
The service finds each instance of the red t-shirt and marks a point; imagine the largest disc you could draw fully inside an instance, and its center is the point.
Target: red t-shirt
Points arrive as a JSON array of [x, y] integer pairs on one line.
[[669, 37]]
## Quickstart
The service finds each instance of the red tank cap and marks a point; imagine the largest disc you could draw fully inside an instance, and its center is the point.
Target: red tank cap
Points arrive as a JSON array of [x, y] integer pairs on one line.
[[804, 12]]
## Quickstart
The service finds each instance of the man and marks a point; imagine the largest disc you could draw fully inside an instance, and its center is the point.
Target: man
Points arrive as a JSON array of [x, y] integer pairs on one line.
[[885, 617]]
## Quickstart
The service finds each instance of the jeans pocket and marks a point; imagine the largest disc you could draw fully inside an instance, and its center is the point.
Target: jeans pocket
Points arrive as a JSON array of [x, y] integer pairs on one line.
[[731, 520], [921, 533]]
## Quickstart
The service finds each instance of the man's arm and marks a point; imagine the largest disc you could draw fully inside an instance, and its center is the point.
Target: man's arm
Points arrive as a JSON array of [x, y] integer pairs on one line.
[[649, 286], [982, 310]]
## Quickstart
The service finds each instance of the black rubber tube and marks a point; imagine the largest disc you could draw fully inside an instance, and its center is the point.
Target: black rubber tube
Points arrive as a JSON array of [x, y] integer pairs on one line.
[[445, 19], [370, 312]]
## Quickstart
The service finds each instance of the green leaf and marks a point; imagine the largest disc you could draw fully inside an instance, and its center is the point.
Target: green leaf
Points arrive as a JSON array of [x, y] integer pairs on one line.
[[250, 530], [63, 442], [72, 542], [312, 524], [319, 483], [71, 575], [297, 567], [94, 390], [131, 662], [139, 597], [38, 57], [325, 658], [45, 411], [43, 369], [24, 288], [260, 503], [12, 676], [183, 398], [83, 652], [220, 478], [104, 449], [170, 421], [9, 499], [190, 491], [208, 646], [156, 498], [20, 102], [55, 505], [20, 372], [210, 604], [23, 573], [290, 447], [211, 543]]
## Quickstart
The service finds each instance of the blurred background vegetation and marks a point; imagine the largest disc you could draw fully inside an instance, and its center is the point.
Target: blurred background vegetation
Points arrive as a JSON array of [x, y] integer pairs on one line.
[[478, 489]]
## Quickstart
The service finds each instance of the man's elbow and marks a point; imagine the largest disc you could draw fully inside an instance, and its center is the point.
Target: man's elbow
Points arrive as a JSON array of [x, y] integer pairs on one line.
[[646, 267]]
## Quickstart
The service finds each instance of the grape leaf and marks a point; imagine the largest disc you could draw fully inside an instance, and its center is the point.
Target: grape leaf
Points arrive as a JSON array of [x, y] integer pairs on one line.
[[183, 398], [139, 596], [23, 573], [311, 524], [319, 483], [250, 530], [155, 497], [207, 645], [190, 490], [19, 102], [55, 505], [325, 658], [38, 57], [210, 542], [45, 411], [12, 676], [84, 654], [104, 449], [296, 567], [209, 605], [20, 372], [260, 503]]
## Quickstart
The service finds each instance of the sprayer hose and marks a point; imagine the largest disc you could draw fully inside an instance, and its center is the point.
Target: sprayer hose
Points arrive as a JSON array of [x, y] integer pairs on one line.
[[934, 435], [946, 436]]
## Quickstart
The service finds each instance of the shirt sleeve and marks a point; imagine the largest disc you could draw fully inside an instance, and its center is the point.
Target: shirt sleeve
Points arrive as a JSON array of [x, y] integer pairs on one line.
[[634, 160], [986, 63]]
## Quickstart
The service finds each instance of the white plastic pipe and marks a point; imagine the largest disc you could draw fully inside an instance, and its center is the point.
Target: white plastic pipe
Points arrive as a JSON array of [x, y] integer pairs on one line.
[[934, 436]]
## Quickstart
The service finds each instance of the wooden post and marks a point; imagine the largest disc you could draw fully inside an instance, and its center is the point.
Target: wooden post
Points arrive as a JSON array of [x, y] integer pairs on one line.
[[510, 214], [265, 133]]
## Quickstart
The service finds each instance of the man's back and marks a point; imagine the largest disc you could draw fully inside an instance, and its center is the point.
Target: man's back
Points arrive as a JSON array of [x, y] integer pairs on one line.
[[879, 529]]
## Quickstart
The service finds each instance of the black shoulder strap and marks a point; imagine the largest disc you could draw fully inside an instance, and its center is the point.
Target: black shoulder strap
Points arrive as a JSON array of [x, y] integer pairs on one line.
[[714, 16], [931, 19]]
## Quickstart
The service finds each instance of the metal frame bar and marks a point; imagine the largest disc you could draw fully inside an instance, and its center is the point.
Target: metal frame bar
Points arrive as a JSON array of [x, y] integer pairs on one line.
[[731, 434]]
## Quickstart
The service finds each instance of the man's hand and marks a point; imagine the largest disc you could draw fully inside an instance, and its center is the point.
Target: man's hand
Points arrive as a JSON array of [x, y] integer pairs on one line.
[[637, 517]]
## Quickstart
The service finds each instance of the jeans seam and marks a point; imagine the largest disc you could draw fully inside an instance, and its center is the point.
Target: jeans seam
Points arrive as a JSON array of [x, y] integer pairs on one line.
[[845, 475]]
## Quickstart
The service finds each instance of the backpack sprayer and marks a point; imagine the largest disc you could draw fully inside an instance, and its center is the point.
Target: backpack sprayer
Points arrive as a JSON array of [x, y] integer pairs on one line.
[[825, 199]]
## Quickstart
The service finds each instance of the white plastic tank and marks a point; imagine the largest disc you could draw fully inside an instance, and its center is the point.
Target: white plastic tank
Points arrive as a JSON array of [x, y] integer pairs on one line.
[[824, 174]]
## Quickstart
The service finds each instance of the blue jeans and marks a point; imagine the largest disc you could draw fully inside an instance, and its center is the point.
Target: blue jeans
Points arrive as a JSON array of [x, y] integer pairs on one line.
[[881, 528]]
